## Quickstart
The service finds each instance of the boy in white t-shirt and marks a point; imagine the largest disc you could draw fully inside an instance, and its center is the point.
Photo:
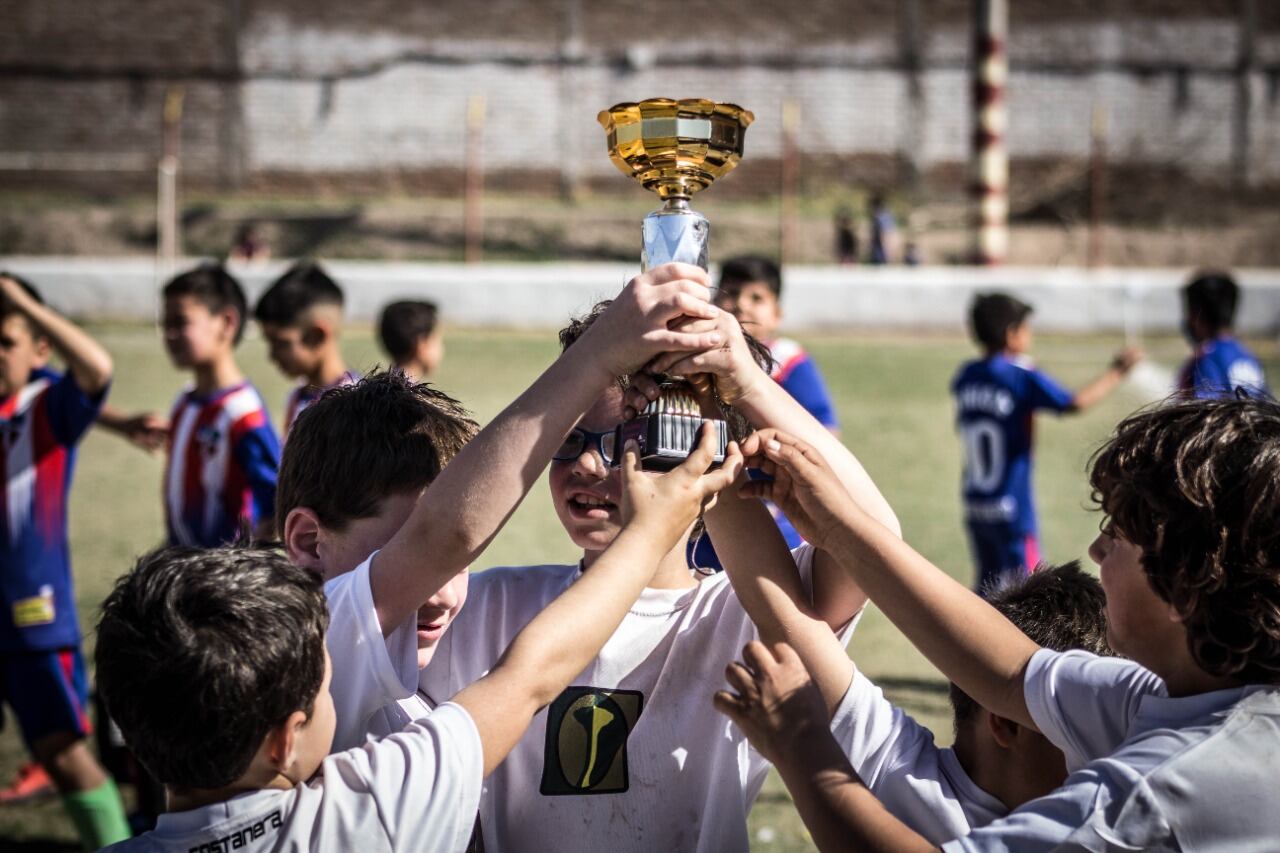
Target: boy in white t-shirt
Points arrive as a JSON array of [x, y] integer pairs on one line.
[[1174, 750], [631, 756], [360, 456], [213, 664]]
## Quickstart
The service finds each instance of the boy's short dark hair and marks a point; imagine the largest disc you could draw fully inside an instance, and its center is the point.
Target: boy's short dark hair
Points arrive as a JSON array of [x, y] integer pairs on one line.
[[6, 309], [302, 287], [1060, 608], [1196, 486], [743, 269], [202, 652], [359, 443], [737, 423], [403, 324], [993, 315], [1212, 296], [214, 288]]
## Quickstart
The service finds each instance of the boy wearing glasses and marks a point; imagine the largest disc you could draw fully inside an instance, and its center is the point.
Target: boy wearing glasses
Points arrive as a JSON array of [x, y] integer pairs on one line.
[[631, 752]]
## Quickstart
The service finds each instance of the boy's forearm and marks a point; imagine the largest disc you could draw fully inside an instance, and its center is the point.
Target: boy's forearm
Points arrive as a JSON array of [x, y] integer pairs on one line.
[[837, 808], [765, 579], [558, 644], [835, 598], [475, 494], [964, 636], [1097, 390], [87, 361]]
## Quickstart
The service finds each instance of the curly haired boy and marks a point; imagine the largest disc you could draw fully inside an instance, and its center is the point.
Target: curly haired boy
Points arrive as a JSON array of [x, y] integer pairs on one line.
[[1175, 749]]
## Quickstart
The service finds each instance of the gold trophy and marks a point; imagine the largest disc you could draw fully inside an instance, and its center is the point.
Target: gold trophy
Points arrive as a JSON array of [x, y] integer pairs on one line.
[[675, 148]]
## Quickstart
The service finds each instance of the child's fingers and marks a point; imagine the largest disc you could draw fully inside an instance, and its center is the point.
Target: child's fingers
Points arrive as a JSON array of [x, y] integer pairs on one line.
[[690, 302], [729, 705], [704, 454], [757, 656], [743, 682], [676, 271], [723, 478], [630, 462], [665, 339], [785, 655]]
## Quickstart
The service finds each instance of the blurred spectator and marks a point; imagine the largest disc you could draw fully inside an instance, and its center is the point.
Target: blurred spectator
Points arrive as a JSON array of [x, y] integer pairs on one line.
[[884, 232], [410, 335], [911, 254], [846, 237], [249, 246]]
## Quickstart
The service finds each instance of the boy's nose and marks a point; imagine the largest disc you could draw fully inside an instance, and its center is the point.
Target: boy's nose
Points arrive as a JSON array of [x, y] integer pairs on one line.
[[445, 599], [591, 464]]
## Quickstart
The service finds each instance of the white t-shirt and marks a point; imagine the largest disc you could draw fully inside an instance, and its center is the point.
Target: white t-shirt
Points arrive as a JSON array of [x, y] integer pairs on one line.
[[413, 791], [1154, 773], [635, 757], [922, 785], [369, 671]]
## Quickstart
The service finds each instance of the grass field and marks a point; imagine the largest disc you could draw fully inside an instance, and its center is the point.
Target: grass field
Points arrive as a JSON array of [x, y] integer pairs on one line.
[[891, 393]]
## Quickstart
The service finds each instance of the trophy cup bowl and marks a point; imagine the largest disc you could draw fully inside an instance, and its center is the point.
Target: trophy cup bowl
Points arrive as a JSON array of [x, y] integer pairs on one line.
[[675, 148]]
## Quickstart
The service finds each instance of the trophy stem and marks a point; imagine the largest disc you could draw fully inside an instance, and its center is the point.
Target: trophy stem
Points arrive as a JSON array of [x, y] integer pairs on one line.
[[675, 232]]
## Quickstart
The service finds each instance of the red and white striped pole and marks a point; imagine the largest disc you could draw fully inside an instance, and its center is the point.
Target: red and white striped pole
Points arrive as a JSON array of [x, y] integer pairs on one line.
[[990, 159]]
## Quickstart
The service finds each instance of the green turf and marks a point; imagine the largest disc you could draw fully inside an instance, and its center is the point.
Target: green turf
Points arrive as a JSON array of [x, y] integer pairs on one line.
[[891, 393]]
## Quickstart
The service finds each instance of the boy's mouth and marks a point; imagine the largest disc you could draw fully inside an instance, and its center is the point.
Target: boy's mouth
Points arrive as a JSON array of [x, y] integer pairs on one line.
[[586, 505], [432, 631]]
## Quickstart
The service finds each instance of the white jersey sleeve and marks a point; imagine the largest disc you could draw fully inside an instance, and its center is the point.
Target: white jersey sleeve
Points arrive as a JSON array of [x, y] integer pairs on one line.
[[424, 781], [1084, 703], [369, 670], [923, 786]]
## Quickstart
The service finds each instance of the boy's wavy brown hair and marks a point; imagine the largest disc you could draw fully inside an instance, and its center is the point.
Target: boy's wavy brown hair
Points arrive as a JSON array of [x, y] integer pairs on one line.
[[1196, 486]]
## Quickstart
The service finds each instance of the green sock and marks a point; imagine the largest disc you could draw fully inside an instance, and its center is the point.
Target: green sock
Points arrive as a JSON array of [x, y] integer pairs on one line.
[[98, 815]]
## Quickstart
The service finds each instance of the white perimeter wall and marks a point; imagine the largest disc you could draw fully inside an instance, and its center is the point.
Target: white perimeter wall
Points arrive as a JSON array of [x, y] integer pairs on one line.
[[820, 298]]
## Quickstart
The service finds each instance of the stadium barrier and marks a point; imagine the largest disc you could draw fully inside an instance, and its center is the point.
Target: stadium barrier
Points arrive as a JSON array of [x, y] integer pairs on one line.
[[542, 295]]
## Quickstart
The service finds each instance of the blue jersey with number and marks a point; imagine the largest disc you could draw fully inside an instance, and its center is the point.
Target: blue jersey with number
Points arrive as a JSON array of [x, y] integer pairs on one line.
[[1218, 368], [996, 399]]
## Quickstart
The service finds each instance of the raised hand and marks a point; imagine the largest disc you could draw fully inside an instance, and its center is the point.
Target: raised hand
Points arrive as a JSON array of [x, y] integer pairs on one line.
[[730, 365], [802, 485], [666, 504], [147, 430], [644, 319], [773, 699]]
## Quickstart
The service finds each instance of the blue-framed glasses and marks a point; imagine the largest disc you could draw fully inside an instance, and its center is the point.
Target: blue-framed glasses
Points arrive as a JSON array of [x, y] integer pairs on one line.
[[579, 440]]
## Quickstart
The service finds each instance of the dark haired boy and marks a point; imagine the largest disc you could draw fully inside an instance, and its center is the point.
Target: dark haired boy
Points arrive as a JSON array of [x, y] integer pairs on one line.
[[214, 663], [409, 333], [1219, 364], [364, 454], [223, 452], [43, 416], [1174, 749], [997, 397], [301, 317]]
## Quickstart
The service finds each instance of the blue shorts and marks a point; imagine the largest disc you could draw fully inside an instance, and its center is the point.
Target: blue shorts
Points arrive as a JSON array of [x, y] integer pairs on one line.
[[48, 691], [1002, 554]]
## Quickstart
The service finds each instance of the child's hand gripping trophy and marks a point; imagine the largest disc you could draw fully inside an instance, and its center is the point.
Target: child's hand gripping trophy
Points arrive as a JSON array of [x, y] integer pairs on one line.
[[663, 507]]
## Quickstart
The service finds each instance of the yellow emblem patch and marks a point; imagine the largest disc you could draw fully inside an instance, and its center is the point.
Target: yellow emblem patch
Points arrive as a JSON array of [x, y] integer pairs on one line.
[[36, 610], [586, 746]]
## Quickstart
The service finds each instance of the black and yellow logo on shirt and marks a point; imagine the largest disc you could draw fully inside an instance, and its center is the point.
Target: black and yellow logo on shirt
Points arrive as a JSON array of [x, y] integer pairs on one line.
[[586, 749]]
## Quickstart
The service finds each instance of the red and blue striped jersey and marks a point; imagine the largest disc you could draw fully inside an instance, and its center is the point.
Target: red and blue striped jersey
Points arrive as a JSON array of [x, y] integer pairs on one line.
[[304, 395], [223, 460], [797, 373], [40, 427]]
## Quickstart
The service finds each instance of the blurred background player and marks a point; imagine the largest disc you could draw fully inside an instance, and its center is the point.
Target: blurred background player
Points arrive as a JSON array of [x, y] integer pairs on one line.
[[223, 450], [410, 335], [301, 318], [1219, 363], [996, 400], [43, 416], [751, 289]]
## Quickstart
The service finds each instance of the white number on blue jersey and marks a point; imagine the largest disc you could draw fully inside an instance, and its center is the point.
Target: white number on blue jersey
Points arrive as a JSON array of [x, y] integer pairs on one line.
[[984, 456]]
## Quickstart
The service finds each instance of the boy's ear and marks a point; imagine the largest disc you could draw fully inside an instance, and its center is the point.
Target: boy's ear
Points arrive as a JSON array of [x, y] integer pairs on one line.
[[1003, 731], [301, 536], [316, 334], [282, 740], [230, 318], [42, 347]]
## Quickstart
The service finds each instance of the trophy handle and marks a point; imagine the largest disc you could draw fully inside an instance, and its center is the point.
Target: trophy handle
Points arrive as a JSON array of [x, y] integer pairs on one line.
[[673, 232]]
